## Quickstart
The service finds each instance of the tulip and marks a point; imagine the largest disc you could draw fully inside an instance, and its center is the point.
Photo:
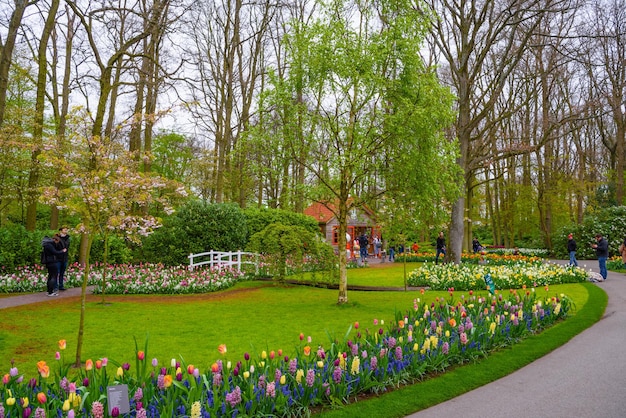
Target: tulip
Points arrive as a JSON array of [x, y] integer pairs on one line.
[[263, 355], [66, 405], [167, 380], [222, 349], [173, 363], [155, 362], [24, 402], [57, 356], [120, 373], [301, 336], [246, 356], [41, 398], [89, 365], [70, 413], [283, 379], [141, 355], [307, 350], [62, 344], [215, 368], [272, 355], [5, 379], [115, 412], [26, 412], [98, 364], [246, 374], [190, 368]]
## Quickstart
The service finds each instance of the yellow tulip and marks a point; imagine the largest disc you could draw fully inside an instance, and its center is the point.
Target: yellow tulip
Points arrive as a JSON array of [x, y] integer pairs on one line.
[[120, 372], [246, 374], [282, 379], [66, 405]]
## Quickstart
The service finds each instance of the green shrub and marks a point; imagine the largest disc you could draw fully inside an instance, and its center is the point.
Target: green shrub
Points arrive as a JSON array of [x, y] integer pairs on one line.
[[119, 251], [610, 222], [19, 247], [258, 219], [289, 249], [196, 227]]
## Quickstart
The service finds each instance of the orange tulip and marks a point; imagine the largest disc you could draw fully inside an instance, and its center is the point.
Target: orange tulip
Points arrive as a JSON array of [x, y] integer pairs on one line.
[[89, 365], [307, 351], [222, 349], [41, 398], [62, 344]]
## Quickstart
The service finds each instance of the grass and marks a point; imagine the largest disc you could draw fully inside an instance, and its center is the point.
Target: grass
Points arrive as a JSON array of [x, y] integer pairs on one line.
[[257, 316]]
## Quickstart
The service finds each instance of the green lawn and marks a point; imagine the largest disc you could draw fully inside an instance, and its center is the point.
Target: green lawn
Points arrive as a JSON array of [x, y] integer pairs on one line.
[[257, 316]]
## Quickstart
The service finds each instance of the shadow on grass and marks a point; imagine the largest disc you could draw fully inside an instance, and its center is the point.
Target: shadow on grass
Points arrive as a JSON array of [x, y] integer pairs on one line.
[[461, 379]]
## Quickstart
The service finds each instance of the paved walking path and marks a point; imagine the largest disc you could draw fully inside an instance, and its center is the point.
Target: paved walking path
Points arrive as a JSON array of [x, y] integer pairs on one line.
[[585, 378]]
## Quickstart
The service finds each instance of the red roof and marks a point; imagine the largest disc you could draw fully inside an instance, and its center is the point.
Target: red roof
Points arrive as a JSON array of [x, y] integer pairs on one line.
[[320, 212], [323, 215]]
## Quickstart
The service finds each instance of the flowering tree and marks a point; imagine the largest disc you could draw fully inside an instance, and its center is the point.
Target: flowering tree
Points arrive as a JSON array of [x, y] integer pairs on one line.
[[102, 183]]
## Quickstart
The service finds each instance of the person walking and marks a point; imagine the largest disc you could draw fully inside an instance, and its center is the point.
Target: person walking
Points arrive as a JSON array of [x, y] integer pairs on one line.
[[51, 259], [571, 250], [65, 243], [602, 251], [441, 247]]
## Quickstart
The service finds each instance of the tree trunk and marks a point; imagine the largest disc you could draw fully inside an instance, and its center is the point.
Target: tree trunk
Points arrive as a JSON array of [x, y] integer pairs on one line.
[[6, 52], [42, 63]]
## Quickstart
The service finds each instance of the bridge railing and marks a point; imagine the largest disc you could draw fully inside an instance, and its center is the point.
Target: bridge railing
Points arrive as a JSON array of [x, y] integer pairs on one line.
[[221, 259]]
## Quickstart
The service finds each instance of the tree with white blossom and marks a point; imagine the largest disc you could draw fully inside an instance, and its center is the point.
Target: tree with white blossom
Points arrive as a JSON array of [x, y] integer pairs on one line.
[[103, 184]]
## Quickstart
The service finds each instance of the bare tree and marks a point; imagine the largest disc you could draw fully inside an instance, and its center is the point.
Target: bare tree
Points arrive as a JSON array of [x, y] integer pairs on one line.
[[604, 32], [6, 50], [467, 34]]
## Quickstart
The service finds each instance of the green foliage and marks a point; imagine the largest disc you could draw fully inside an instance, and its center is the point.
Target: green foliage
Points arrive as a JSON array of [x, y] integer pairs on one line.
[[196, 227], [19, 247], [119, 251], [610, 222], [258, 219], [289, 248]]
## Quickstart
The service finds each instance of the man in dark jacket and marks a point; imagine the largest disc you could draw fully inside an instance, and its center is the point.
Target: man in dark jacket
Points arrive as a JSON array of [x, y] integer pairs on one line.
[[602, 250], [571, 250], [51, 260], [441, 247]]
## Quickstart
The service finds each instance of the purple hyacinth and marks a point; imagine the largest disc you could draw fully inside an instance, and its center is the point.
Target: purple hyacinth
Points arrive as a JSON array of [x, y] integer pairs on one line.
[[293, 366], [234, 397], [374, 362], [310, 377], [398, 353], [337, 372]]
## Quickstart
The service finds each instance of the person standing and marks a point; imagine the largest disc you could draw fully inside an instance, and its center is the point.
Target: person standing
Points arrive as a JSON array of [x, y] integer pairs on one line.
[[571, 250], [602, 251], [65, 243], [363, 244], [476, 247], [623, 252], [378, 244], [441, 247], [51, 260]]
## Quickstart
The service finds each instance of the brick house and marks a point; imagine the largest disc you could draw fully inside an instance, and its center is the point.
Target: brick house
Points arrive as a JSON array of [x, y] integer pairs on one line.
[[360, 220]]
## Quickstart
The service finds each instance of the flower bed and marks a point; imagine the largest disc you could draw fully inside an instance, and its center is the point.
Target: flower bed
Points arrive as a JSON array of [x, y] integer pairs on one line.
[[509, 276], [427, 338], [470, 258], [127, 279]]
